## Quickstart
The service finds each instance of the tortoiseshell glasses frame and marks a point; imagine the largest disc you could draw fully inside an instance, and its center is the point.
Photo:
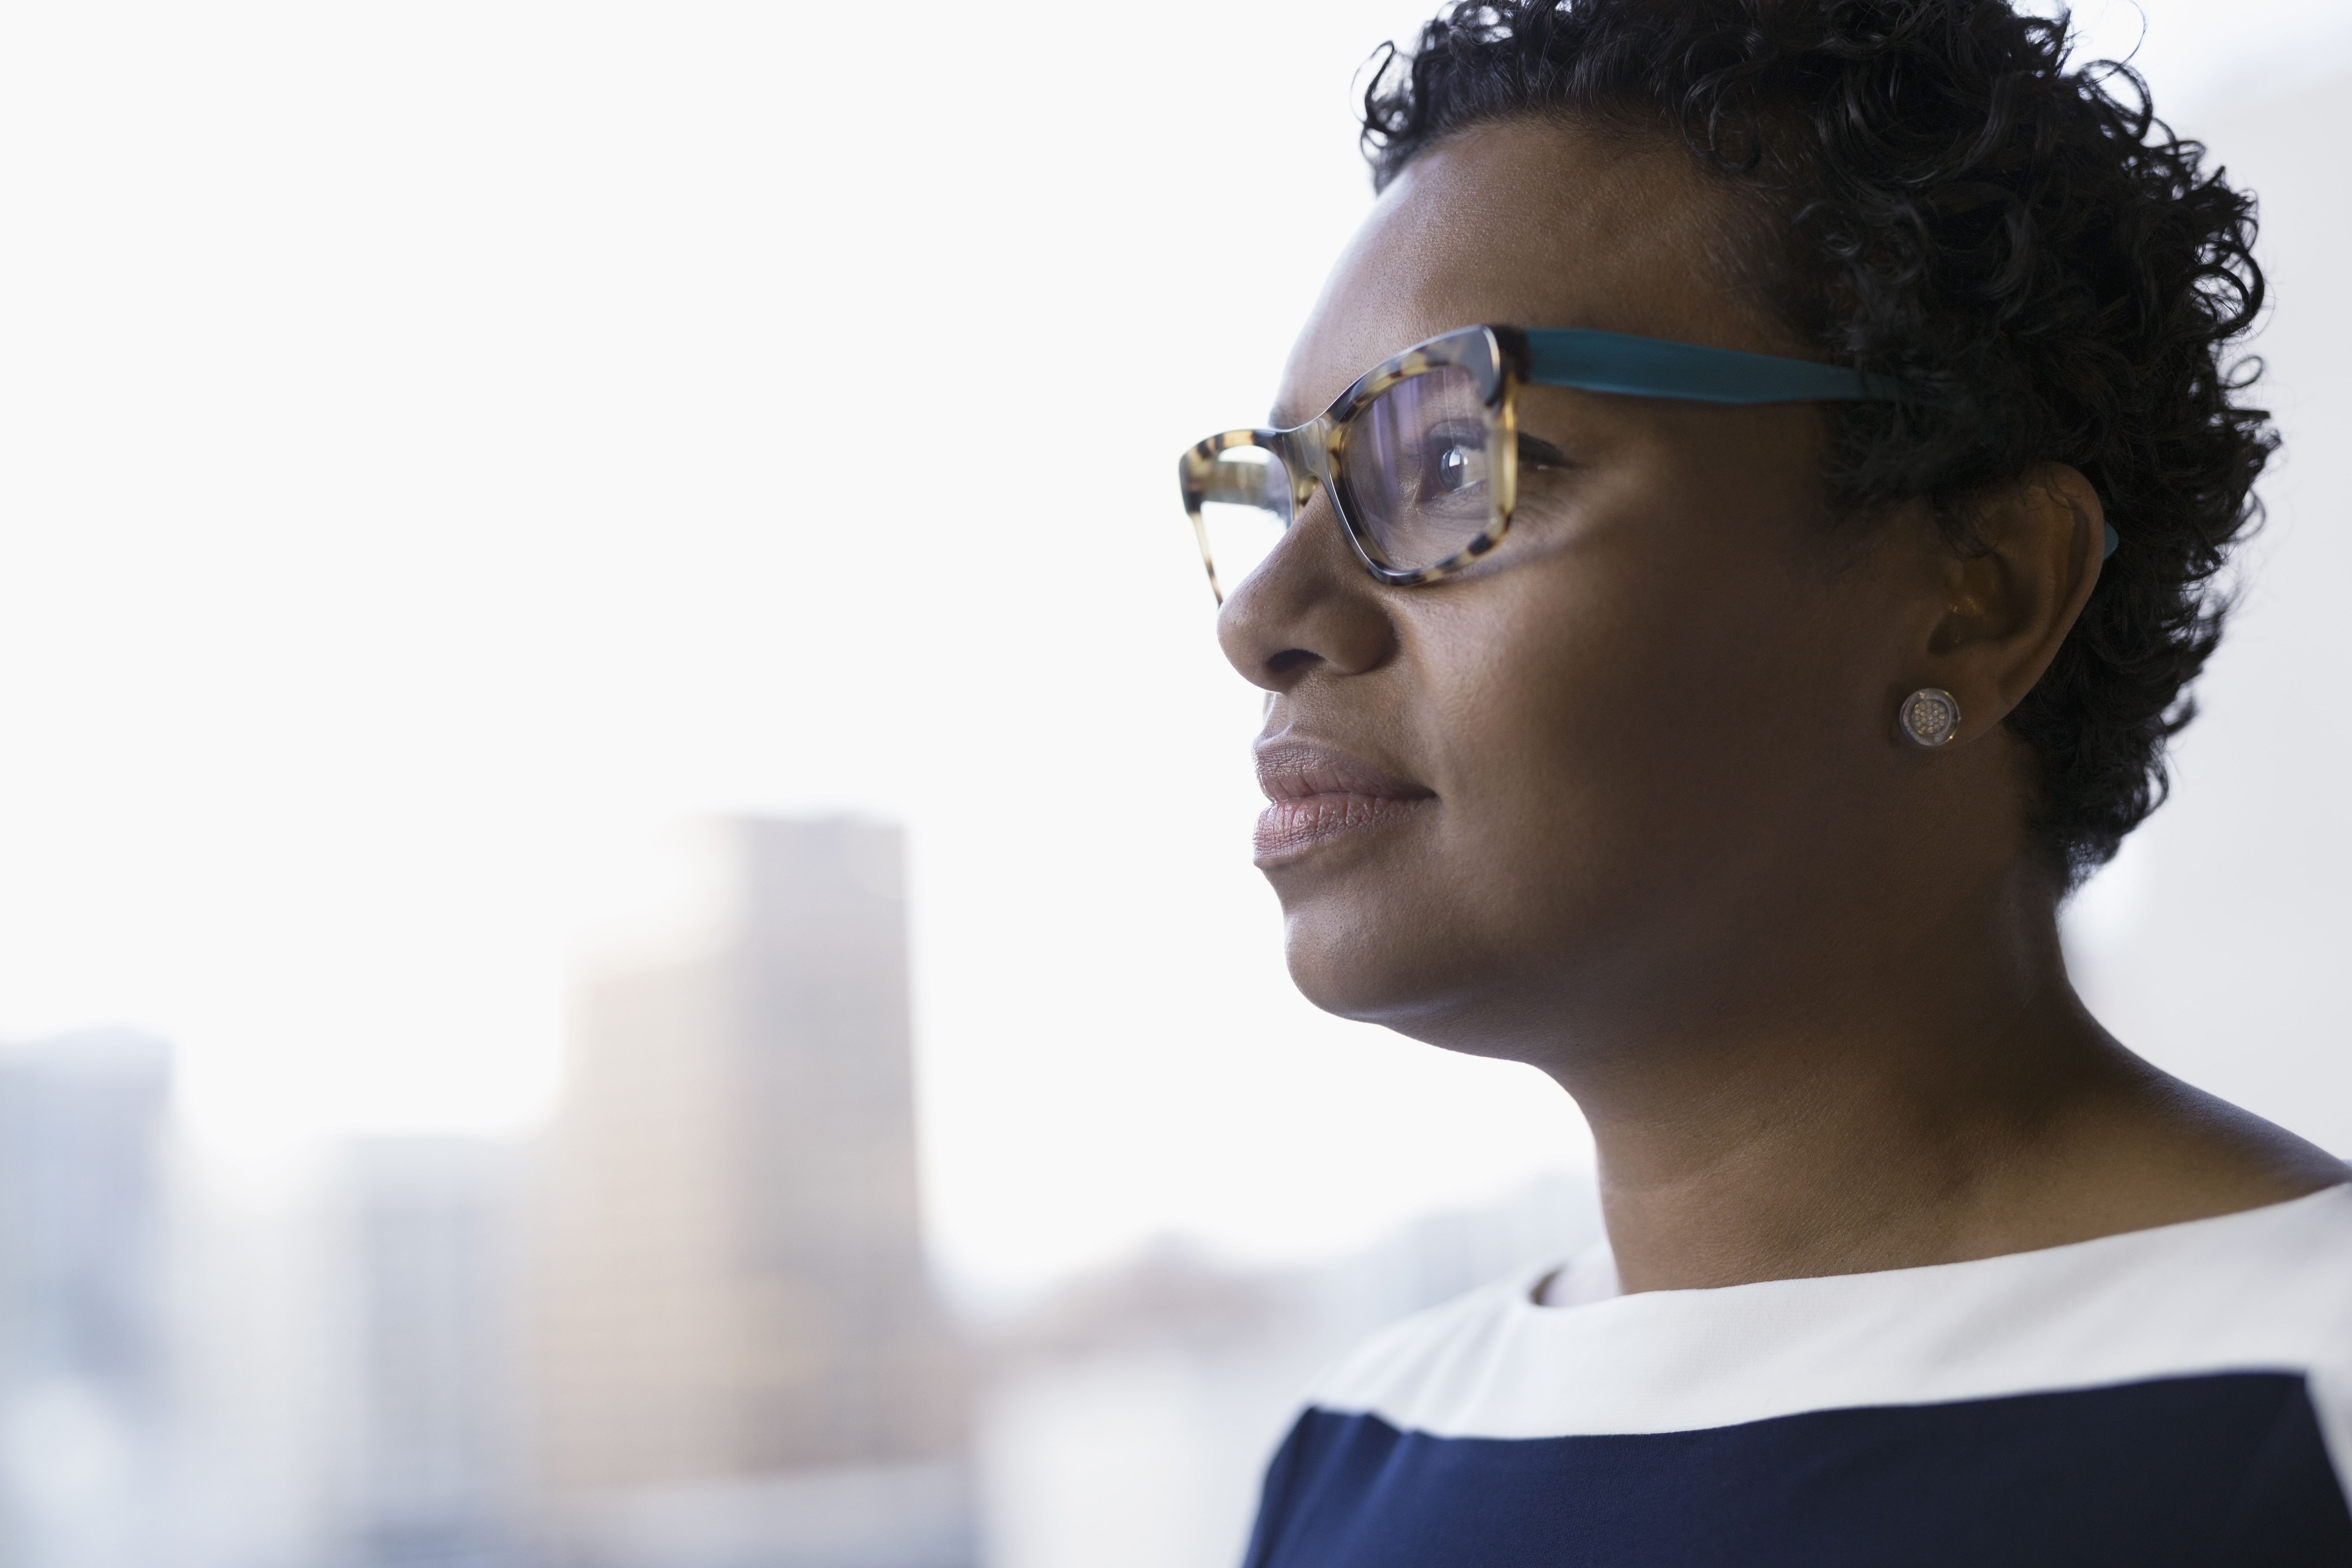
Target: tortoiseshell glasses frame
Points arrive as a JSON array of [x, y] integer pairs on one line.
[[1420, 526]]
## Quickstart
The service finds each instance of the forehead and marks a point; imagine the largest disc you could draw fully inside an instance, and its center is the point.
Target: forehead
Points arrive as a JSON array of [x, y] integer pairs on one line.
[[1530, 223]]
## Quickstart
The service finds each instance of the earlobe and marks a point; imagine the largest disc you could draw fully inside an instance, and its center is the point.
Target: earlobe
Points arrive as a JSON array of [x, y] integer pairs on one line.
[[2010, 604]]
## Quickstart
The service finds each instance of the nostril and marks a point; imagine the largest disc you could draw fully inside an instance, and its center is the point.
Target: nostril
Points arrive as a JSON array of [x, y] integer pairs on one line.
[[1288, 659]]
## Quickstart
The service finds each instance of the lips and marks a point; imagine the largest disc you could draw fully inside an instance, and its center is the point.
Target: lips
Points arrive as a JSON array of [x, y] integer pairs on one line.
[[1317, 795]]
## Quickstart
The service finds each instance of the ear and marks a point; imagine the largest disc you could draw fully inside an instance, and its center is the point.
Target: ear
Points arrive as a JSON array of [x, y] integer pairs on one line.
[[2006, 610]]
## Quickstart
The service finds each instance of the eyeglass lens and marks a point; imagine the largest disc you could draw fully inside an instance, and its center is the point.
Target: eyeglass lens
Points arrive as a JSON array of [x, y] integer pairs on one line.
[[1414, 462], [1415, 468], [1245, 506]]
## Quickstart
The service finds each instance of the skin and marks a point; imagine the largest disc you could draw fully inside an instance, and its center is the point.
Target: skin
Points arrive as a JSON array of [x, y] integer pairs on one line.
[[1803, 978]]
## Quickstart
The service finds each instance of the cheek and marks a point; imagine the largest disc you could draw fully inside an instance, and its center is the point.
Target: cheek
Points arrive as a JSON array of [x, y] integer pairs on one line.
[[1611, 747]]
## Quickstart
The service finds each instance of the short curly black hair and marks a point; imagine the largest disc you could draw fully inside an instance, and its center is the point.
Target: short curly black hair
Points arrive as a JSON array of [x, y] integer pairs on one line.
[[1926, 189]]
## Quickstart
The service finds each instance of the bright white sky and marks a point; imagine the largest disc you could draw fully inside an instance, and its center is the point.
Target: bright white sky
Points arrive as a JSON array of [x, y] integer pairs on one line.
[[438, 442]]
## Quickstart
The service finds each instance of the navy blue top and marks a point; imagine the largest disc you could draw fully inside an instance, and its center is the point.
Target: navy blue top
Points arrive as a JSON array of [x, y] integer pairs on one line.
[[2177, 1395]]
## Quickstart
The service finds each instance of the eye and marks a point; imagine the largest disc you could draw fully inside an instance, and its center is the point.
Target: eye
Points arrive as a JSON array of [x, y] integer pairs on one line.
[[1458, 467], [1453, 462], [1537, 455]]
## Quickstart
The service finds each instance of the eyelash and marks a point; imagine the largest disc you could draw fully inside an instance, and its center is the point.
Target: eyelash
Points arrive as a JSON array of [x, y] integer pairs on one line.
[[1536, 456]]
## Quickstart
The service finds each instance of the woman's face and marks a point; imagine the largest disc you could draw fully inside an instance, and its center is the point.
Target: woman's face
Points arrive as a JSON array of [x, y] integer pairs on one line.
[[1614, 770]]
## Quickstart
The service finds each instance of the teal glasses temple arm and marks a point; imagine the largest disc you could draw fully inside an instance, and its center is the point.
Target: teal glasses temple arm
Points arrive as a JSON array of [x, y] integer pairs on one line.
[[1653, 367]]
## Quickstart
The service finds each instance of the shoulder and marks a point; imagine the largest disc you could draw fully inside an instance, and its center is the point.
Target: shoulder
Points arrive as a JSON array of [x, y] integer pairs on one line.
[[2177, 1395], [2266, 1291], [1411, 1367]]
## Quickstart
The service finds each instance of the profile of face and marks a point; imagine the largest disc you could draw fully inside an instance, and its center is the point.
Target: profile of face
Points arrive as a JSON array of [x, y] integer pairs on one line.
[[1637, 767]]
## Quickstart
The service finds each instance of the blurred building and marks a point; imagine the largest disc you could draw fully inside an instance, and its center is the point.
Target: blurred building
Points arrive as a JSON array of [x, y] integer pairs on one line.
[[427, 1238], [83, 1332], [739, 1360], [1129, 1417]]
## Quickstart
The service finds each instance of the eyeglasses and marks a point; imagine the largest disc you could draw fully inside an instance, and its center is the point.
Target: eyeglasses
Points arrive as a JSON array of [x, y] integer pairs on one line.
[[1421, 457]]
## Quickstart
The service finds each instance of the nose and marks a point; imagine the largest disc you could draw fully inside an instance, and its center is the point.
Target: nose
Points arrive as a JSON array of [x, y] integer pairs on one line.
[[1310, 607]]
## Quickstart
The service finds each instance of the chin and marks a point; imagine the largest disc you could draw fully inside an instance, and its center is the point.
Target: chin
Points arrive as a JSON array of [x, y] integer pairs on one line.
[[1414, 983]]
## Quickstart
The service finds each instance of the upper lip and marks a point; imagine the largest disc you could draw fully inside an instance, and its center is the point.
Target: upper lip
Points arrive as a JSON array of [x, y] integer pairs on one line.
[[1291, 769]]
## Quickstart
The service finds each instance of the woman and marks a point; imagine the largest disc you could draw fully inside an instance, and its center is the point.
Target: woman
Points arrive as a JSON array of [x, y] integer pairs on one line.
[[1719, 732]]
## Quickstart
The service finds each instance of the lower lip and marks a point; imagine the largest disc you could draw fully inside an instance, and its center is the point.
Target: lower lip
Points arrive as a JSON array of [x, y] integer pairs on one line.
[[1288, 829]]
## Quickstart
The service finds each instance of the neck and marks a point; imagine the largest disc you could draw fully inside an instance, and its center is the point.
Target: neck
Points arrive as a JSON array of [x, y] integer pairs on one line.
[[1964, 1105]]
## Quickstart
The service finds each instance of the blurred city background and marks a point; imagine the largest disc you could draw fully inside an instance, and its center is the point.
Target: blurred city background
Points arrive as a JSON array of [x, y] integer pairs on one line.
[[612, 954]]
